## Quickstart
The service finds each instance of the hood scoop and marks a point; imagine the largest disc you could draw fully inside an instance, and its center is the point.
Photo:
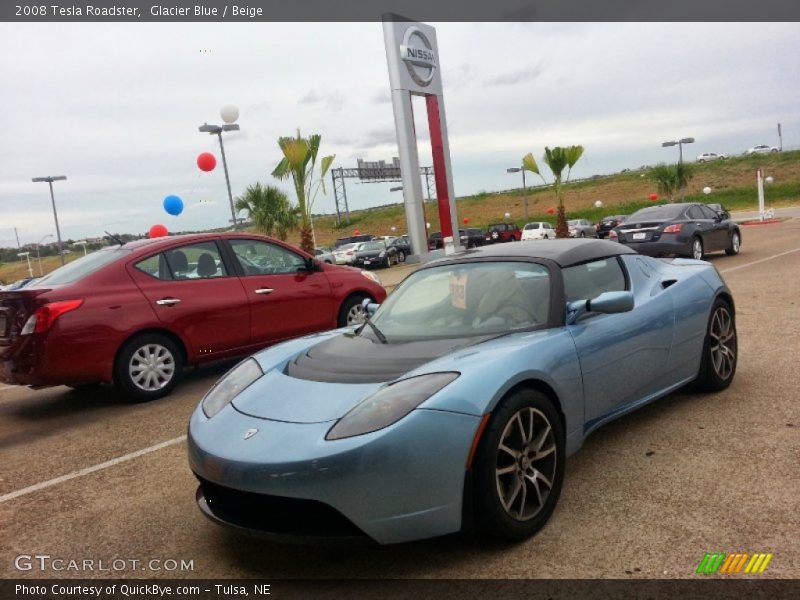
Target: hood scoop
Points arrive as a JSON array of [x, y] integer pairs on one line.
[[350, 358]]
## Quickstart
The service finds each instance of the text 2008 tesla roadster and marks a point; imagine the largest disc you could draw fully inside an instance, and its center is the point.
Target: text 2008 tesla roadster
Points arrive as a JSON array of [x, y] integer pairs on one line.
[[457, 402]]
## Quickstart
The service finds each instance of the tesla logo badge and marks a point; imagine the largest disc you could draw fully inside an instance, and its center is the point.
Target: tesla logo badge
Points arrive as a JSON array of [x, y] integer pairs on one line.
[[250, 433]]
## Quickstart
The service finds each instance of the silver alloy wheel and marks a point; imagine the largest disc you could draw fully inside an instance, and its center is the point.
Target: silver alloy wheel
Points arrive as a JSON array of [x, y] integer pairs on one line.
[[723, 343], [735, 243], [697, 249], [526, 464], [355, 315], [401, 257], [151, 367]]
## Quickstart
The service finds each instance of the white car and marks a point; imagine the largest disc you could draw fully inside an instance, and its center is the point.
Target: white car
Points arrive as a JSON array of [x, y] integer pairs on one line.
[[709, 156], [345, 255], [761, 149], [538, 231]]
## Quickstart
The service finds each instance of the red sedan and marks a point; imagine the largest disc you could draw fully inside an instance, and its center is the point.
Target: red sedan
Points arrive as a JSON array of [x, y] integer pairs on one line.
[[137, 314]]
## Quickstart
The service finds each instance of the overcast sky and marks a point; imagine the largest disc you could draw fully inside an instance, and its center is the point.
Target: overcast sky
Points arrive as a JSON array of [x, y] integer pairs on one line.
[[116, 107]]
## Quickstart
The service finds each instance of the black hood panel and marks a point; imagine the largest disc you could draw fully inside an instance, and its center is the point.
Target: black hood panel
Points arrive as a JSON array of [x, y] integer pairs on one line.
[[350, 358]]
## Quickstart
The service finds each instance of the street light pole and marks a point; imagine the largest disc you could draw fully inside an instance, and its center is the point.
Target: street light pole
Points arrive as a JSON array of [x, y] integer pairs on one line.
[[679, 143], [217, 129], [524, 187], [50, 179]]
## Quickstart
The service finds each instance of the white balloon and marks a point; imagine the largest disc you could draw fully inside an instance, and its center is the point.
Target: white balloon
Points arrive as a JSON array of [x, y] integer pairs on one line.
[[706, 190], [508, 215], [598, 204], [229, 113], [394, 228], [769, 179]]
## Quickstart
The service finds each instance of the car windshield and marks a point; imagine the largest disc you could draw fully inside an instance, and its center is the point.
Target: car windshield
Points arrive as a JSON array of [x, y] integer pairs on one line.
[[657, 213], [464, 300], [573, 222], [346, 247], [78, 269], [497, 227], [369, 246], [530, 226]]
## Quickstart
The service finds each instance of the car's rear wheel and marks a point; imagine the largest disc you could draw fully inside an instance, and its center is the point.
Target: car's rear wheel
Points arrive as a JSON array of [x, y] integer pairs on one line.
[[352, 313], [697, 248], [148, 367], [583, 234], [736, 242], [401, 256], [720, 349], [519, 467]]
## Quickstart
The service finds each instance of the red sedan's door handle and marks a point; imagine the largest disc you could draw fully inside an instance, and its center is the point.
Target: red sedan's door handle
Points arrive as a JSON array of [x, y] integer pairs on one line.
[[264, 291], [167, 301]]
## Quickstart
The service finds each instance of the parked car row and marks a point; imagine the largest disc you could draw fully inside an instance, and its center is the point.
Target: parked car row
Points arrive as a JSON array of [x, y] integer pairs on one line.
[[137, 314], [759, 149]]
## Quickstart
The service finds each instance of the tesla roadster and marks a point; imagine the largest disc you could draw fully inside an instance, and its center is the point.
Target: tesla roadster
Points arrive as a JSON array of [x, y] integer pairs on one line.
[[455, 404]]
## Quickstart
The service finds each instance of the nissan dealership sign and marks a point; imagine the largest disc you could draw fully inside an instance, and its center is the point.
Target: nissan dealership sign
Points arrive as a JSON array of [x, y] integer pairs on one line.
[[417, 52]]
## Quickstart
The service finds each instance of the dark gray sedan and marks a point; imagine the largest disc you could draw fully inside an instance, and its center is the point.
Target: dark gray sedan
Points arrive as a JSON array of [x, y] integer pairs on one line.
[[685, 229]]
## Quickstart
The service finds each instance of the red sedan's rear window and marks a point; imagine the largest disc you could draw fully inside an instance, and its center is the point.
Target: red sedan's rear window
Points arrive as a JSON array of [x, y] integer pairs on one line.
[[82, 267]]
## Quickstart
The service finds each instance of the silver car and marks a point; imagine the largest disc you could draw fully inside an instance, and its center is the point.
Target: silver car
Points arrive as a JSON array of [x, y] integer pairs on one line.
[[761, 149], [345, 255], [709, 156], [579, 228]]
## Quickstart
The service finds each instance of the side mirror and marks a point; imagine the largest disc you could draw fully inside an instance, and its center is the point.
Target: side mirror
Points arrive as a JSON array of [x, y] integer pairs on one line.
[[611, 302], [311, 265], [605, 303], [369, 306]]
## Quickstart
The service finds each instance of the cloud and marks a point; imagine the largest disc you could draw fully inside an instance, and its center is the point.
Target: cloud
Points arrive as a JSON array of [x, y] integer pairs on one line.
[[519, 76], [333, 100]]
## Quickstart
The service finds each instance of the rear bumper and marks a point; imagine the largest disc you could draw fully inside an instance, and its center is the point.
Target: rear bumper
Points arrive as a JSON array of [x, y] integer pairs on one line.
[[661, 248]]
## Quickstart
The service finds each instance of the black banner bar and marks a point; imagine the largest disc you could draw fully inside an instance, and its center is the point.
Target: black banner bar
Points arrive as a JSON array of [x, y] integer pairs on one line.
[[462, 589], [419, 10]]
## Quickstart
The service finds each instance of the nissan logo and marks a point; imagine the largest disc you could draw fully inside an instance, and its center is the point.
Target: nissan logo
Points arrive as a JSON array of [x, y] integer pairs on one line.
[[417, 52]]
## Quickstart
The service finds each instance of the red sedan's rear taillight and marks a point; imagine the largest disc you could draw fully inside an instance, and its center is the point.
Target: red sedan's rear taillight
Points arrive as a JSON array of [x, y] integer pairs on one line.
[[612, 235], [44, 317], [676, 228]]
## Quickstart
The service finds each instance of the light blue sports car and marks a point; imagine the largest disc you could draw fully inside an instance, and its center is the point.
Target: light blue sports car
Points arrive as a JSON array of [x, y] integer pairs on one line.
[[456, 403]]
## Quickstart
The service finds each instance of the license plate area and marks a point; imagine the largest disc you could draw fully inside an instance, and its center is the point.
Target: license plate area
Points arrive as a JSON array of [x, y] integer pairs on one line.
[[639, 236]]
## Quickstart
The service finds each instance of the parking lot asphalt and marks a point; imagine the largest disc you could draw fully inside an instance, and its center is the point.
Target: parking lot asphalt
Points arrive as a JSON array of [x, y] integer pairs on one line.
[[85, 476]]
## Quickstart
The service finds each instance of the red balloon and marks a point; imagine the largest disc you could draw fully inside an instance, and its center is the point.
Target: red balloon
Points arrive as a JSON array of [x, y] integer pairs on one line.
[[653, 197], [206, 161], [158, 231], [466, 220], [357, 232], [551, 210]]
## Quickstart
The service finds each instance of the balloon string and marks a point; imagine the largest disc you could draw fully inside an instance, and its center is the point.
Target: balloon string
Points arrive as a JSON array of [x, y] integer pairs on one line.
[[199, 175]]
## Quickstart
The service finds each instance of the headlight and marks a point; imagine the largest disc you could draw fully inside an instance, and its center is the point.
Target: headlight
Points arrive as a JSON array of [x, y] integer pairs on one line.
[[389, 404], [371, 276], [382, 254], [231, 385]]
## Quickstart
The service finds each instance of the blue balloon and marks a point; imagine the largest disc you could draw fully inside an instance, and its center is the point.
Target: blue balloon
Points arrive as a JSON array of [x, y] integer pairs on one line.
[[173, 205]]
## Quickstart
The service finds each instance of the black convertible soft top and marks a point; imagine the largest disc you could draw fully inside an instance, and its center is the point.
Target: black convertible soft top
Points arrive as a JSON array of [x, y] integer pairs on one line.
[[563, 252]]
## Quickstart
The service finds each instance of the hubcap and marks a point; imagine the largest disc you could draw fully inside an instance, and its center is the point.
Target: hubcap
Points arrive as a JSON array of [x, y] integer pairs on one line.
[[735, 243], [526, 464], [697, 248], [151, 367], [723, 343], [355, 315]]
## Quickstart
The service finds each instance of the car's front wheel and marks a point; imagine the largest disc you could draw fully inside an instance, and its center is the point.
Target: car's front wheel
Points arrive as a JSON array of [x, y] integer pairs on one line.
[[720, 349], [351, 312], [401, 256], [736, 242], [519, 467], [148, 367]]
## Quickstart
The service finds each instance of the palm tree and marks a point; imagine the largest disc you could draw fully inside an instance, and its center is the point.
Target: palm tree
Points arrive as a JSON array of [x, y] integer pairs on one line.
[[298, 162], [670, 178], [557, 159], [269, 209]]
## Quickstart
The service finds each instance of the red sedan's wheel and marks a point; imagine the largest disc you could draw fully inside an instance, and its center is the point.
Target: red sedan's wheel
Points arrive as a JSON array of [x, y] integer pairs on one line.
[[148, 367]]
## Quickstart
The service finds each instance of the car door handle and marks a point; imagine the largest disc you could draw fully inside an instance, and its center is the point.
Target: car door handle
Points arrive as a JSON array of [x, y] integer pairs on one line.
[[264, 291], [167, 301]]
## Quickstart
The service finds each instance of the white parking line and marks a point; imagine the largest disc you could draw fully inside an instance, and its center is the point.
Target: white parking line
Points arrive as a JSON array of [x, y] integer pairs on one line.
[[757, 262], [178, 440], [87, 470]]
